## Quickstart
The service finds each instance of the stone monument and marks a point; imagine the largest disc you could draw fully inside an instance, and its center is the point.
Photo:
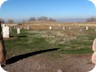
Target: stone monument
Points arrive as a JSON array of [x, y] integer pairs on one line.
[[5, 31], [94, 56], [18, 30]]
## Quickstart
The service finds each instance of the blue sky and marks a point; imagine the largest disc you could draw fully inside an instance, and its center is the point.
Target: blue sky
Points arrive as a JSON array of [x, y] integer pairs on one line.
[[24, 9]]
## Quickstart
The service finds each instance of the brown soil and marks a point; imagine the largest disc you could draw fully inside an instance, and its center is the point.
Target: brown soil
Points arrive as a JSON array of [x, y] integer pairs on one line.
[[43, 63]]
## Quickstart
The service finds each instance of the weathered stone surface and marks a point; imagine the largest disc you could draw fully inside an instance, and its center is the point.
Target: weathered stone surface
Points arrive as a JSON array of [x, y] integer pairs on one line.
[[59, 70], [94, 58], [94, 45]]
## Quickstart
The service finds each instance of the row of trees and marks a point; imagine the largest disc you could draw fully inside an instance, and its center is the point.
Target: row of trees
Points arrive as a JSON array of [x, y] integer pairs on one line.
[[8, 21], [43, 18], [92, 19]]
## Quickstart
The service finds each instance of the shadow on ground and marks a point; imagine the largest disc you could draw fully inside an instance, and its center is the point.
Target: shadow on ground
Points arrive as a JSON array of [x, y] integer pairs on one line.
[[18, 36], [22, 56]]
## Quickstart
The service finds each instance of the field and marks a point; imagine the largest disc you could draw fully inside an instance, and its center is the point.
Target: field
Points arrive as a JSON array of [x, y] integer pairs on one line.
[[50, 49]]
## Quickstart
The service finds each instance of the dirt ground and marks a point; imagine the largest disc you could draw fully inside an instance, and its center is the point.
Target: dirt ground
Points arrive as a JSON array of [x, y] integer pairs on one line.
[[43, 63]]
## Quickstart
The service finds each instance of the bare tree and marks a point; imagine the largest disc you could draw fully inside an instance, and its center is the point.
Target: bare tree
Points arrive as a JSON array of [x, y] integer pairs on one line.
[[50, 19], [10, 21], [43, 18], [32, 19], [2, 20], [92, 19]]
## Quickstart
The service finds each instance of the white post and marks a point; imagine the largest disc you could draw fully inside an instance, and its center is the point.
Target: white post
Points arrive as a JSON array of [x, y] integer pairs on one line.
[[5, 30], [50, 27], [18, 30], [87, 28], [28, 28], [63, 28], [95, 30], [69, 28]]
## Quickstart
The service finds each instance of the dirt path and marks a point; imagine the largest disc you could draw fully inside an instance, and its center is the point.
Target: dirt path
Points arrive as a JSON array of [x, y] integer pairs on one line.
[[42, 63]]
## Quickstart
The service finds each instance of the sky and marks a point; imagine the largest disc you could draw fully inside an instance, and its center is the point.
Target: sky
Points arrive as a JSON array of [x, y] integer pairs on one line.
[[57, 9]]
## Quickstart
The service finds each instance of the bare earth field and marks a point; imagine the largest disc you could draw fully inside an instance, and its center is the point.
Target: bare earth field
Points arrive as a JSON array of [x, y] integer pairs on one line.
[[42, 63]]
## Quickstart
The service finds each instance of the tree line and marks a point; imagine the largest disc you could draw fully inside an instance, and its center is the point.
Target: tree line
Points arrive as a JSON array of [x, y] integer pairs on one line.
[[91, 19], [42, 18]]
